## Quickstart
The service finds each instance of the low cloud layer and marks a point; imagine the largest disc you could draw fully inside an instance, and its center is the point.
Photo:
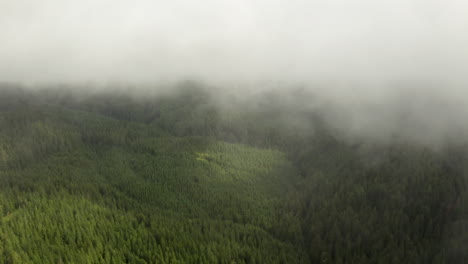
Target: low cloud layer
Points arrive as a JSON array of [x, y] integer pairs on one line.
[[223, 40], [382, 68]]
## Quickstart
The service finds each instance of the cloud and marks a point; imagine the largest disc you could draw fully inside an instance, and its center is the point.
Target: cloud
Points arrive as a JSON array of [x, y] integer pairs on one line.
[[381, 67], [225, 40]]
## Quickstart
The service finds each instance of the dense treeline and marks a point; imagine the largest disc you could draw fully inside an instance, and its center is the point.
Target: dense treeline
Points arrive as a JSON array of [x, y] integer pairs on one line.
[[177, 178]]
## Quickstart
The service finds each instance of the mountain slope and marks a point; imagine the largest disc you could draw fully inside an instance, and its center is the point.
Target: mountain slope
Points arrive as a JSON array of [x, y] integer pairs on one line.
[[82, 188], [177, 178]]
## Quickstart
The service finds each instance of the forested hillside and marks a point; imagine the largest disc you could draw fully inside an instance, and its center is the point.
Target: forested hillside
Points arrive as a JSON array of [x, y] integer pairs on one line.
[[117, 177]]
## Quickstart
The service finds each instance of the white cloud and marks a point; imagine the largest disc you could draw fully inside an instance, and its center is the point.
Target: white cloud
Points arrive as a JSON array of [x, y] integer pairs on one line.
[[295, 40]]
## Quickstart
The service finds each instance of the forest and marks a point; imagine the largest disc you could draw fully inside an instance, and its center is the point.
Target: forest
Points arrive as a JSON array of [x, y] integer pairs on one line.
[[184, 177]]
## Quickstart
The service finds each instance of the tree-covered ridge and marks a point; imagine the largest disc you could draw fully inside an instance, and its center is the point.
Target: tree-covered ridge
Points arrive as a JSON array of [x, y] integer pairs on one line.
[[82, 188], [176, 178]]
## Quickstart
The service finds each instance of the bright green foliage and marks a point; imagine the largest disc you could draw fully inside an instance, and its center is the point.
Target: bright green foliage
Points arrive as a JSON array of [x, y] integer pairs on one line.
[[110, 178], [81, 188]]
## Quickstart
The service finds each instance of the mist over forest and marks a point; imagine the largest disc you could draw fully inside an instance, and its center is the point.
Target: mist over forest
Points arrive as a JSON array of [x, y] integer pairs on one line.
[[222, 131]]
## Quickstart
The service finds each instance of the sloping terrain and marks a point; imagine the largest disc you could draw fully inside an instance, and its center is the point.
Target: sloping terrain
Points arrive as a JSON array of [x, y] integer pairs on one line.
[[111, 178]]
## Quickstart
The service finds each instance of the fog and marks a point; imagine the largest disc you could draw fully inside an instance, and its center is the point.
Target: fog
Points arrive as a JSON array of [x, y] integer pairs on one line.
[[221, 40], [373, 61]]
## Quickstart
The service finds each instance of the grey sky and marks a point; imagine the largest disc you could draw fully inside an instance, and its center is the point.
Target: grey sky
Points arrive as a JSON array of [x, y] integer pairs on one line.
[[226, 40]]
